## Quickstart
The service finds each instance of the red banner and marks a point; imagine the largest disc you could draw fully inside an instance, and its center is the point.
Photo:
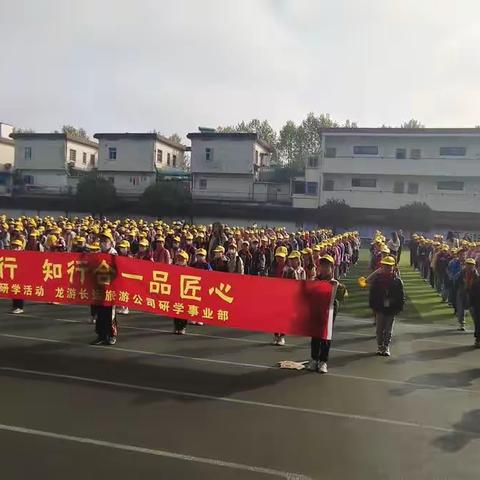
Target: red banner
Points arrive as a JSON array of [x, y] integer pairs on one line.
[[221, 299]]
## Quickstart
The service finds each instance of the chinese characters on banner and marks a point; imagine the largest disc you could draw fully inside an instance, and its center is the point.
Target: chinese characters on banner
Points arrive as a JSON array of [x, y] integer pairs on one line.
[[235, 301]]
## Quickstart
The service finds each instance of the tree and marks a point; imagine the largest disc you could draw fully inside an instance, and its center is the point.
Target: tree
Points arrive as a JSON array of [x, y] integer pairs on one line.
[[289, 147], [76, 132], [349, 124], [95, 194], [175, 137], [23, 130], [262, 128], [416, 216], [293, 143], [166, 197], [412, 123], [335, 213]]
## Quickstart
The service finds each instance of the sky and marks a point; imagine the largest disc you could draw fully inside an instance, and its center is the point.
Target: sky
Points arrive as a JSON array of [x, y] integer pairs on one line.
[[174, 65]]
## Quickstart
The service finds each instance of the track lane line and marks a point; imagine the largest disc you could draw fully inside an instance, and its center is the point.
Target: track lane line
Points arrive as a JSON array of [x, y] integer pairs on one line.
[[158, 453], [237, 401]]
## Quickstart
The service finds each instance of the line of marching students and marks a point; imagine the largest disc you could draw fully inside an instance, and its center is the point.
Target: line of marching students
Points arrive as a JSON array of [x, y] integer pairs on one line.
[[270, 252], [452, 267], [386, 292]]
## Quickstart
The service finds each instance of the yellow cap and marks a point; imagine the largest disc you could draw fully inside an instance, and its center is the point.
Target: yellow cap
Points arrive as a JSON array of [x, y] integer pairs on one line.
[[17, 242], [388, 261], [470, 261], [294, 254], [201, 251], [124, 244], [327, 258], [107, 234], [219, 249], [183, 254], [143, 242]]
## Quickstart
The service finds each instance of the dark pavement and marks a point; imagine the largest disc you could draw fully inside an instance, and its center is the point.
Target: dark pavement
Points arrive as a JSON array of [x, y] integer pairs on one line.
[[212, 404]]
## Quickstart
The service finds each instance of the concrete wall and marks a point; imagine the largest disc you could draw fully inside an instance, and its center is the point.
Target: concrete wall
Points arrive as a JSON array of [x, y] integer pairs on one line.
[[168, 150], [46, 154], [135, 155], [305, 201], [5, 130], [7, 153], [229, 155], [49, 181], [82, 149], [223, 187], [271, 192], [130, 183]]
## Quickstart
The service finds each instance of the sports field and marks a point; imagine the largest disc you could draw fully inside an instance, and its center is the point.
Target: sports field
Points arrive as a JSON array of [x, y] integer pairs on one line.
[[213, 404]]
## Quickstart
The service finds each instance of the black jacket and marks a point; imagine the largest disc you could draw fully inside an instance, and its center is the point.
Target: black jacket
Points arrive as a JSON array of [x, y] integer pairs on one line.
[[387, 294]]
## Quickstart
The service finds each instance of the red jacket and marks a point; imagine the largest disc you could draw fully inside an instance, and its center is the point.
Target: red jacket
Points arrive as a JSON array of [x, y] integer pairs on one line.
[[144, 256], [162, 255]]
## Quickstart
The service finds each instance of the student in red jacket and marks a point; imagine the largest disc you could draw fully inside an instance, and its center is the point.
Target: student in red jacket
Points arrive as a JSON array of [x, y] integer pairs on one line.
[[144, 252], [161, 254]]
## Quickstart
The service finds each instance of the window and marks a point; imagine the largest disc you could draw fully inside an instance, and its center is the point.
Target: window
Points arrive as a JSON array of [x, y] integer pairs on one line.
[[209, 154], [415, 153], [168, 159], [364, 182], [256, 157], [111, 180], [450, 185], [174, 160], [312, 188], [398, 187], [159, 156], [72, 155], [401, 153], [328, 185], [412, 188], [28, 179], [331, 152], [84, 158], [453, 151], [299, 187], [365, 150], [313, 161], [92, 159], [202, 184], [112, 153], [27, 153]]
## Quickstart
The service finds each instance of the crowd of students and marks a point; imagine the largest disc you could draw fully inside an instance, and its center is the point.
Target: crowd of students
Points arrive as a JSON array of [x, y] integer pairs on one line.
[[271, 252], [451, 266]]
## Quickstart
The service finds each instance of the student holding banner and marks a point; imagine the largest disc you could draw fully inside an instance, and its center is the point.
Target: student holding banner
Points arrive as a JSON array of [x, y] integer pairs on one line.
[[17, 305], [106, 326], [320, 346]]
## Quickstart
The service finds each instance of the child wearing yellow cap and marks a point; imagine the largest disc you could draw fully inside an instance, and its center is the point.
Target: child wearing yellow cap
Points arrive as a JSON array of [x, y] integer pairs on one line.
[[386, 299]]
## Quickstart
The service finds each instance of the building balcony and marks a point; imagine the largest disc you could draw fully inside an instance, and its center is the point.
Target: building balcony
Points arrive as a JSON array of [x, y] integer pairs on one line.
[[448, 167]]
